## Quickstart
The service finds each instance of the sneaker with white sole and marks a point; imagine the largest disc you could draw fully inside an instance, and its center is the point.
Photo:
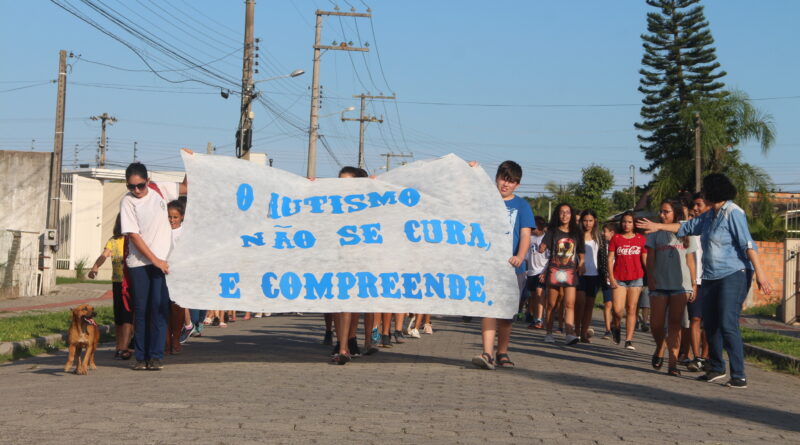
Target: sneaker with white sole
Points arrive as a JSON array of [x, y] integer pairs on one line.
[[427, 329], [629, 345], [414, 333], [712, 377], [737, 383], [411, 320], [570, 339], [185, 333], [549, 338]]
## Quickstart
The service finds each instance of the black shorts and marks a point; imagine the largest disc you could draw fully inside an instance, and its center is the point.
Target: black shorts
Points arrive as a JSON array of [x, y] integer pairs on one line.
[[121, 315], [534, 283], [589, 284]]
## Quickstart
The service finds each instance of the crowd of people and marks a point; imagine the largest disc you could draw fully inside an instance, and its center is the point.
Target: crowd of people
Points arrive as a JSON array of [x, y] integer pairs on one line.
[[683, 279]]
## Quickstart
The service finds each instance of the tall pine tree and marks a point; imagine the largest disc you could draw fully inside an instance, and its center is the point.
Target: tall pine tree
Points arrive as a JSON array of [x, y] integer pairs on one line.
[[680, 69]]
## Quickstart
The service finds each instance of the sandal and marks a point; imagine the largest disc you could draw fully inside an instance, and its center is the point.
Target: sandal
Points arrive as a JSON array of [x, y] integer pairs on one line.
[[208, 321], [483, 361], [504, 362], [222, 324], [674, 372], [125, 355], [343, 359], [657, 361]]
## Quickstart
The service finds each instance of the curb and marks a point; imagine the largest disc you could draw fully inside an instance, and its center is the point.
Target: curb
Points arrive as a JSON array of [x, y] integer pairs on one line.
[[777, 357], [9, 347]]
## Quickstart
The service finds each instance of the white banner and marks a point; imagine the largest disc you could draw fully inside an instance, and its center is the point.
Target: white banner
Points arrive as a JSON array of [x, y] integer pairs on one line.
[[428, 237]]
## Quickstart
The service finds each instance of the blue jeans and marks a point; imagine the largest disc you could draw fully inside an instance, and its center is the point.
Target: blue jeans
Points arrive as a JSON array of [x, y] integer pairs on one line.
[[150, 311], [722, 304], [197, 316]]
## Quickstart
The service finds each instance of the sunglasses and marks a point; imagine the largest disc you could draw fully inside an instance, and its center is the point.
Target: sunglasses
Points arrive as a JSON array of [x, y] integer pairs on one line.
[[140, 186]]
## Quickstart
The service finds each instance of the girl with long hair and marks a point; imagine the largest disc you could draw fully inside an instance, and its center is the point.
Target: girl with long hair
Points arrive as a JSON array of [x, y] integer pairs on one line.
[[670, 279], [565, 243], [592, 275], [626, 260]]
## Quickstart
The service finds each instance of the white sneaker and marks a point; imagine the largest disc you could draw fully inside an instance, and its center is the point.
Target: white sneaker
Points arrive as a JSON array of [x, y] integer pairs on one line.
[[411, 320], [427, 329], [570, 339], [414, 333], [549, 338], [267, 314], [257, 315]]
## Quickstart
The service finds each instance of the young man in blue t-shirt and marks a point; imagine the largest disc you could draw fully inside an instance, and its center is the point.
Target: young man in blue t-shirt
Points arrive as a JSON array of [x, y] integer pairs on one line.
[[520, 215]]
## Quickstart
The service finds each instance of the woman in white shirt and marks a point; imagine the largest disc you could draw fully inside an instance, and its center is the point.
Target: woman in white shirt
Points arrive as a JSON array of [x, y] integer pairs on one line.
[[143, 215]]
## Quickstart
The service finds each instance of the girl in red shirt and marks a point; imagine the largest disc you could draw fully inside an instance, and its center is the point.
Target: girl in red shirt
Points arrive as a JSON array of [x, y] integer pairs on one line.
[[626, 261]]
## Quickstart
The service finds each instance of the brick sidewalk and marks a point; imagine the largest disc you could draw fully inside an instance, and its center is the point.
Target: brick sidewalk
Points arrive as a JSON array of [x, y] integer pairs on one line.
[[268, 381]]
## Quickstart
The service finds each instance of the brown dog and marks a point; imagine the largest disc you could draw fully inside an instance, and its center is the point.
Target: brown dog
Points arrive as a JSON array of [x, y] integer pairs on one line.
[[83, 334]]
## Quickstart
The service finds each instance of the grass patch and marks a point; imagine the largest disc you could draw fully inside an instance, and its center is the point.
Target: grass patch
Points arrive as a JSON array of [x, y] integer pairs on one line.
[[769, 365], [70, 280], [773, 342], [24, 327], [767, 310], [33, 351]]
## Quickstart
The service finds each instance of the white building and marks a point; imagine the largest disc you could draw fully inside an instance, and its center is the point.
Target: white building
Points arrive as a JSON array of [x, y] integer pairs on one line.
[[89, 207]]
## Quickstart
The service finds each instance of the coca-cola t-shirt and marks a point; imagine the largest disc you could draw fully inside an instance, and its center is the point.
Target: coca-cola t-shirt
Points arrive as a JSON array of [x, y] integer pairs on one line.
[[627, 256]]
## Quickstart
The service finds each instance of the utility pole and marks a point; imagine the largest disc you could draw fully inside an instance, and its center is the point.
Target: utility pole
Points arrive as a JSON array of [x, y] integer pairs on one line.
[[103, 118], [58, 145], [633, 185], [50, 237], [134, 150], [75, 157], [698, 165], [363, 118], [311, 170], [244, 135], [389, 156]]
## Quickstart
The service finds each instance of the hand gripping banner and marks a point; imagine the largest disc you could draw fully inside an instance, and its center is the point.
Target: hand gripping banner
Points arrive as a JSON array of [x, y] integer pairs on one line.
[[428, 237]]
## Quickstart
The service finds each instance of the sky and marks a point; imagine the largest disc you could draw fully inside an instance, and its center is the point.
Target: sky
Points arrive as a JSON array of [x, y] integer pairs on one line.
[[551, 85]]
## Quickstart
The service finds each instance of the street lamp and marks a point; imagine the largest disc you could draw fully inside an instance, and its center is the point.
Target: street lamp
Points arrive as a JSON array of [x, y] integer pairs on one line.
[[294, 73], [225, 93], [342, 112], [245, 133]]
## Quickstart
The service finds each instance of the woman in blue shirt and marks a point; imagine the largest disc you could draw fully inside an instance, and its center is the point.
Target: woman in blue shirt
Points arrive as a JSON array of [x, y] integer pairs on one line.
[[729, 259]]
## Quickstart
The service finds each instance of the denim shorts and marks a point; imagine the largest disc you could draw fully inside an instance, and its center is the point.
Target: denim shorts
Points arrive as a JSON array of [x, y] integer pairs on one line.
[[644, 298], [606, 294], [695, 307], [631, 283]]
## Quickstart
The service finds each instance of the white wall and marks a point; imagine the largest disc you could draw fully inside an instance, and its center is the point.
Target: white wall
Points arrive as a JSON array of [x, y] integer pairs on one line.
[[87, 219]]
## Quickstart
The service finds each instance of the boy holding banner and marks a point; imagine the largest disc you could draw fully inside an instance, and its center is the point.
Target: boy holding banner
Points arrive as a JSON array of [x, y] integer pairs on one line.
[[521, 220]]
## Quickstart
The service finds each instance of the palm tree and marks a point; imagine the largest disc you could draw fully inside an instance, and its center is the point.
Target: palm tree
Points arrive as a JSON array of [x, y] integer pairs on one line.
[[727, 122]]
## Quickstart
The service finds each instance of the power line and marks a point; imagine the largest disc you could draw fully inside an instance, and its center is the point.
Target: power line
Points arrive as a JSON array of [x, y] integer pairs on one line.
[[27, 86], [145, 36], [79, 57]]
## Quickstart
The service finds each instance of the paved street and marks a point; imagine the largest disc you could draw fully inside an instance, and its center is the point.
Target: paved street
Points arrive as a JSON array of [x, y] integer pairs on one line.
[[267, 381]]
